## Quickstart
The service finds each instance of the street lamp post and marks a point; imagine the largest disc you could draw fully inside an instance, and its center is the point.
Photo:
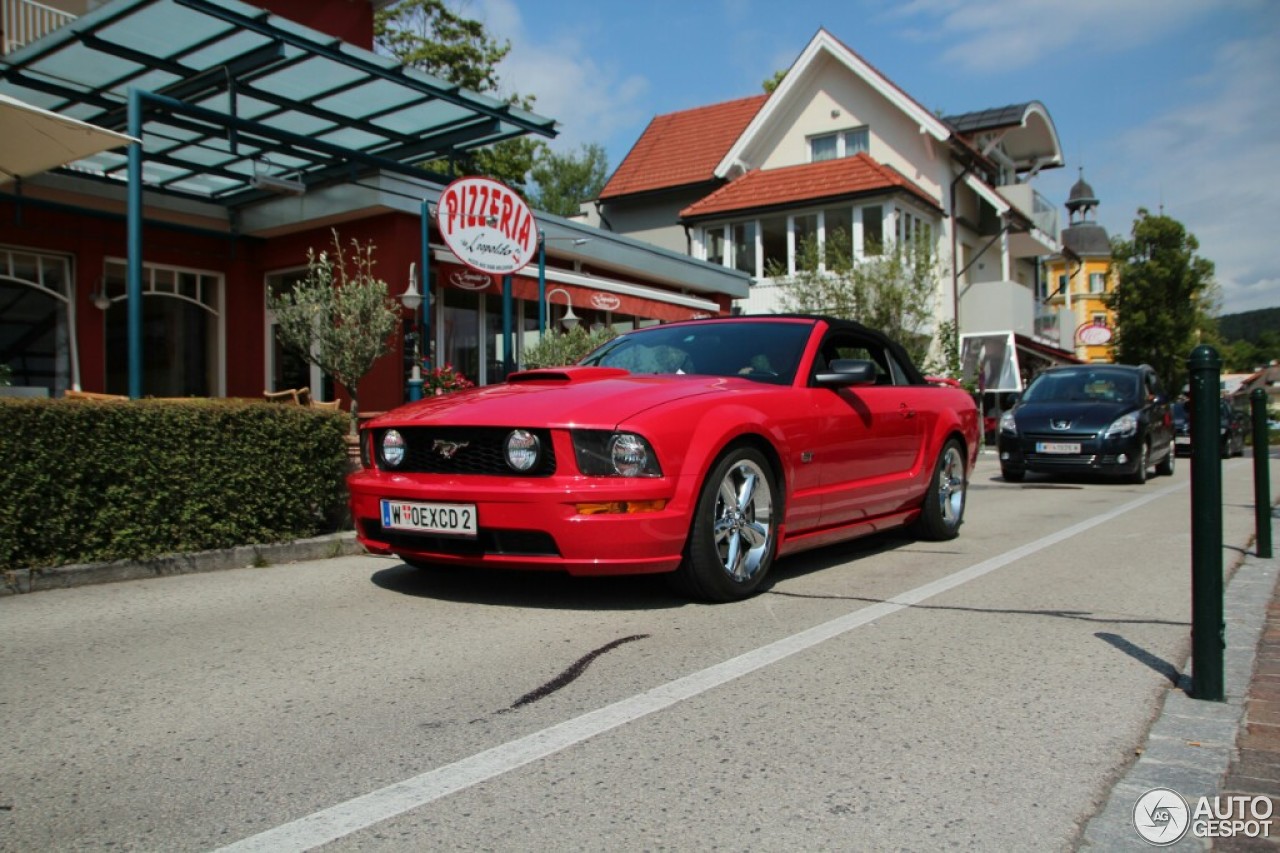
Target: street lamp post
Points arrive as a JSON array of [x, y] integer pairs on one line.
[[542, 283], [412, 299]]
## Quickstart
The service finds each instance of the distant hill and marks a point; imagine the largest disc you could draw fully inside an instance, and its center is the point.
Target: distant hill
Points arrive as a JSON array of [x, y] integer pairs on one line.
[[1248, 325]]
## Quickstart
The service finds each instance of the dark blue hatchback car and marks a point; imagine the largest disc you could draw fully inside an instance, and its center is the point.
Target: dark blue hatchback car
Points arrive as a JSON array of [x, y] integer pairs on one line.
[[1111, 419]]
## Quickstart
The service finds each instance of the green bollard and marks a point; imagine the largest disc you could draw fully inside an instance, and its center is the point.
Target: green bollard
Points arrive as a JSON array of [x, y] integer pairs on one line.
[[1208, 632], [1261, 474]]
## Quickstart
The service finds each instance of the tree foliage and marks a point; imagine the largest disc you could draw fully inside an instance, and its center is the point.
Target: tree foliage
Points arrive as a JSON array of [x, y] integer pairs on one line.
[[1164, 296], [893, 291], [557, 349], [564, 181], [434, 38], [340, 316]]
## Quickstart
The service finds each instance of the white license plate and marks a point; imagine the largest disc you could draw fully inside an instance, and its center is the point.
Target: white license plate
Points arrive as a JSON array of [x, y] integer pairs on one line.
[[1057, 447], [1182, 439], [454, 519]]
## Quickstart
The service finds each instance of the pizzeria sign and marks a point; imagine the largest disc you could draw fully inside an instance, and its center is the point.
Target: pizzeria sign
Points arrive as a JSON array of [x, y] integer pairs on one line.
[[487, 225]]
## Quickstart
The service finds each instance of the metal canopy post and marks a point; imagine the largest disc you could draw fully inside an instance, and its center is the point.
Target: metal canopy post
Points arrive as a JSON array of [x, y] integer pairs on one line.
[[134, 245]]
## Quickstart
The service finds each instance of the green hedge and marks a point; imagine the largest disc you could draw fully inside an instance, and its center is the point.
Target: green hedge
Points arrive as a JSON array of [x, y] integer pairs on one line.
[[87, 481]]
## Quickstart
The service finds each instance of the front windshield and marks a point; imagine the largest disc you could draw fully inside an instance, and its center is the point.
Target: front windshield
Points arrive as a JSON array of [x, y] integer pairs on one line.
[[766, 351], [1090, 385]]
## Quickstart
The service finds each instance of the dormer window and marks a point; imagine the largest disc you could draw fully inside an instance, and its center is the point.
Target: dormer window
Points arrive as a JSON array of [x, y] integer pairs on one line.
[[844, 143]]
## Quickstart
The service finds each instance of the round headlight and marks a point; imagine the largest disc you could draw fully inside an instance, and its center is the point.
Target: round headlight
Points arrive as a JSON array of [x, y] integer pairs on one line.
[[630, 454], [393, 448], [523, 450]]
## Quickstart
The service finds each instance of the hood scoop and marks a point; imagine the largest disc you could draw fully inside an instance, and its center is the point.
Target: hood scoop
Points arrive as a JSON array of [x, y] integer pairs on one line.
[[566, 375]]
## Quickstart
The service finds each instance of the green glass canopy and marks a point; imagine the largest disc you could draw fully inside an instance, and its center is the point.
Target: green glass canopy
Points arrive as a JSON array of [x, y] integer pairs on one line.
[[241, 103]]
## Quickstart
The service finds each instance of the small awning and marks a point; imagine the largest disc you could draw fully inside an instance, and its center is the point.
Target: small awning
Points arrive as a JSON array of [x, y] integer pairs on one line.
[[36, 140]]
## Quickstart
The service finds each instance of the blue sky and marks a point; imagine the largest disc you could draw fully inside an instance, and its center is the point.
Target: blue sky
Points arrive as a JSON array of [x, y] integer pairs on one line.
[[1171, 104]]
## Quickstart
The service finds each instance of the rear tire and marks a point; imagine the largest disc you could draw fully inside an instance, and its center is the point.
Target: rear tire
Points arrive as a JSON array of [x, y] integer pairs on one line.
[[942, 512], [1167, 465], [734, 535]]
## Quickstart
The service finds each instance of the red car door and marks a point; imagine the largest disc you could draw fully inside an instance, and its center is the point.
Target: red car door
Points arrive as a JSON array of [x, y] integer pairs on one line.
[[868, 440], [868, 451]]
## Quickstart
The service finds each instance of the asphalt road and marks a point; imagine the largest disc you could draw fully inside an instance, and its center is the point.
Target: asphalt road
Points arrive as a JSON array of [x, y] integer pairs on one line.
[[888, 694]]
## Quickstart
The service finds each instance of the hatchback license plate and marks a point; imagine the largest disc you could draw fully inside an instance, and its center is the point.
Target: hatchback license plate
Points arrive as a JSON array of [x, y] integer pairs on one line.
[[453, 519], [1057, 447]]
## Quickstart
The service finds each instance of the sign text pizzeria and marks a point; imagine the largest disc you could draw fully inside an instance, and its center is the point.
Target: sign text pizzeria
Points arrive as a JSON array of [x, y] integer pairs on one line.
[[487, 225]]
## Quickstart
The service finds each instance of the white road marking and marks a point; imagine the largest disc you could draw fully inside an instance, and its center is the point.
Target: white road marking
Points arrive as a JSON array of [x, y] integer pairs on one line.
[[345, 818]]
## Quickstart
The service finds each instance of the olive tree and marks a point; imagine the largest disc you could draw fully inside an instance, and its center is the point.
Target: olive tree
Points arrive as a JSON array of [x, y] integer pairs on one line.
[[340, 317]]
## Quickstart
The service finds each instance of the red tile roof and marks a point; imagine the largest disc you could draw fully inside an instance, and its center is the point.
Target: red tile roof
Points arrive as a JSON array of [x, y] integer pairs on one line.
[[682, 148], [808, 182]]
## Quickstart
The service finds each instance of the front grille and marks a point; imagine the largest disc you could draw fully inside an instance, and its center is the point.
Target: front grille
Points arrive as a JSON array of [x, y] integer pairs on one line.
[[475, 450], [524, 543], [1066, 435]]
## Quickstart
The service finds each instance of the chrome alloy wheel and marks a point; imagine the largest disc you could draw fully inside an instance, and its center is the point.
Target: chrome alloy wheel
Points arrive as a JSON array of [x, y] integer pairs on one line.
[[742, 522], [951, 486]]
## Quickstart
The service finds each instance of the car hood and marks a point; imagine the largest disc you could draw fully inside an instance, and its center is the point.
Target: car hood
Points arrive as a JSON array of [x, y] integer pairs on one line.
[[586, 397], [1087, 416]]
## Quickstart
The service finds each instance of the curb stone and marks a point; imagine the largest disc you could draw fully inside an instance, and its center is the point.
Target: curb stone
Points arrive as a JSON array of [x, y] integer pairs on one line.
[[19, 581]]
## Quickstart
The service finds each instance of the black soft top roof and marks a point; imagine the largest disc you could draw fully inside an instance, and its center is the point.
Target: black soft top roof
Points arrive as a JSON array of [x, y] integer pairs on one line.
[[835, 324]]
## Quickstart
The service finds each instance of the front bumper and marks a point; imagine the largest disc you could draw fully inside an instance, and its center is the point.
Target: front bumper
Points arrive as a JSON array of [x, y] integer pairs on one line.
[[533, 523], [1096, 454]]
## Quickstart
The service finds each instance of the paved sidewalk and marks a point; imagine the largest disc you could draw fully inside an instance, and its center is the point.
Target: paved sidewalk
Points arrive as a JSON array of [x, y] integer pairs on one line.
[[1214, 749]]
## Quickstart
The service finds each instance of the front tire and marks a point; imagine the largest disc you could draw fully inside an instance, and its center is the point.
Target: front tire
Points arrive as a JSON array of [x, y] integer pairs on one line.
[[1139, 476], [942, 512], [1012, 475], [734, 535]]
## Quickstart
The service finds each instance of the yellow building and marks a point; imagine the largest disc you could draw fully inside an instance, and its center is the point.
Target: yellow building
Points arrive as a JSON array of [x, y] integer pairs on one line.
[[1080, 278]]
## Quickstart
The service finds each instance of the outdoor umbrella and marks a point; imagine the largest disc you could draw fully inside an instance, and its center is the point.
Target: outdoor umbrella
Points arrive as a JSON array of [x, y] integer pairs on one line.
[[33, 140]]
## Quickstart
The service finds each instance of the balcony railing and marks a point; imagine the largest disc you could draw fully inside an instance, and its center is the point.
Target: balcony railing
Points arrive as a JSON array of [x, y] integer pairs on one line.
[[24, 21], [1035, 206]]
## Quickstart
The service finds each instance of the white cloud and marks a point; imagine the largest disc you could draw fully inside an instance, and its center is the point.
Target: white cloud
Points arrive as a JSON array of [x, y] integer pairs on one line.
[[1211, 164], [589, 101], [1005, 35]]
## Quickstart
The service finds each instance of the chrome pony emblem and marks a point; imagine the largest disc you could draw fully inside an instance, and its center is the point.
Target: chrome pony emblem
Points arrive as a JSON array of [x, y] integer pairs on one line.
[[1059, 424], [448, 449]]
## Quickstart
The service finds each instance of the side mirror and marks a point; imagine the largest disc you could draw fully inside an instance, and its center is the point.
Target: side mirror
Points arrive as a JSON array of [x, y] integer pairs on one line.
[[843, 372]]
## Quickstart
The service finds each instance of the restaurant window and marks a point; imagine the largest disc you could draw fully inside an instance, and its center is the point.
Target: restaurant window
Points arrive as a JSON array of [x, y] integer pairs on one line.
[[460, 323], [38, 342], [181, 331], [286, 368]]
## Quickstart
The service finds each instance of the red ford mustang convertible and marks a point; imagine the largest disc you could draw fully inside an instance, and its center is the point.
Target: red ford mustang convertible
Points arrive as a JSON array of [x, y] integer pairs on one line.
[[706, 449]]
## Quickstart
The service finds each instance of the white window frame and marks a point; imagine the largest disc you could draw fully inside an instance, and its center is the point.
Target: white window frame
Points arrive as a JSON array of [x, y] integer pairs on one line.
[[214, 304], [891, 211], [842, 142], [64, 295]]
